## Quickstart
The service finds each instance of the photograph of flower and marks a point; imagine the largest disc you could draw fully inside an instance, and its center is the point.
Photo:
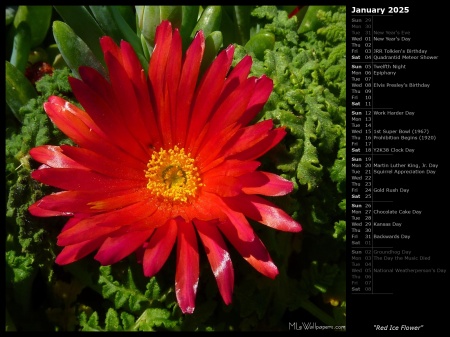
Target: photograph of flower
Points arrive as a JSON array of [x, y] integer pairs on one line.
[[175, 168]]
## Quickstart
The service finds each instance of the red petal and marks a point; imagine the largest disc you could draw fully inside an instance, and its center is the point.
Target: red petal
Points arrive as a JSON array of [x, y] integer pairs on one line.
[[262, 147], [263, 89], [121, 245], [74, 220], [87, 231], [161, 52], [243, 228], [238, 74], [35, 210], [247, 137], [203, 209], [218, 256], [119, 201], [64, 203], [254, 252], [116, 106], [208, 149], [71, 202], [77, 251], [233, 168], [68, 107], [157, 75], [106, 112], [126, 106], [187, 270], [224, 186], [109, 46], [74, 179], [146, 104], [126, 56], [78, 126], [208, 92], [265, 183], [172, 82], [187, 85], [53, 157], [71, 124], [159, 248], [96, 82], [233, 106], [158, 218], [264, 212], [106, 223], [131, 62], [102, 164]]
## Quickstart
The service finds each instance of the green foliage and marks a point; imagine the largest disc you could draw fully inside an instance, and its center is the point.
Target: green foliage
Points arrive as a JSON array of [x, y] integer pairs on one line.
[[84, 27], [74, 50], [37, 19], [131, 308], [30, 247], [18, 90]]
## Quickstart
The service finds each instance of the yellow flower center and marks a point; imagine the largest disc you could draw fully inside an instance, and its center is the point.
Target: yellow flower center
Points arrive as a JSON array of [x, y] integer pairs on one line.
[[172, 175]]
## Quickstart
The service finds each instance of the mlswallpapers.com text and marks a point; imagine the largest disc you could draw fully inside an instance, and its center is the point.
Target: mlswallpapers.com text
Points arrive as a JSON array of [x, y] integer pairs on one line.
[[314, 326]]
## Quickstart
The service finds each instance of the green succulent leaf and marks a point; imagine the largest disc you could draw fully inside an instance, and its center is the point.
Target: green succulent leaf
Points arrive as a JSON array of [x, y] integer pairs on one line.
[[209, 21], [310, 21], [74, 50], [188, 22], [241, 16], [174, 14], [149, 17], [130, 36], [19, 90], [84, 26], [38, 19], [21, 46], [105, 20], [259, 43]]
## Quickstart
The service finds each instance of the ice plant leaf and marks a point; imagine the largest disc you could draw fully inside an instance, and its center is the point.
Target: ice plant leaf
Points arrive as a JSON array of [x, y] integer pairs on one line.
[[19, 90], [105, 20], [310, 21], [209, 21], [189, 15], [38, 19], [159, 160], [260, 42], [74, 50], [21, 46], [84, 26], [129, 35]]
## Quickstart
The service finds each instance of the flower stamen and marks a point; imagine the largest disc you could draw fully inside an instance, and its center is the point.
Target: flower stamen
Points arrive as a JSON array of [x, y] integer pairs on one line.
[[172, 175]]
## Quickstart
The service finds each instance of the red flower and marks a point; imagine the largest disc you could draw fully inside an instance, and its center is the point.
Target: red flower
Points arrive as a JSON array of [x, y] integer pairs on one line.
[[162, 157]]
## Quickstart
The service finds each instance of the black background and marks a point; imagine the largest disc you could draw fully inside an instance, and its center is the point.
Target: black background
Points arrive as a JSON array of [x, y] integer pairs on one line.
[[416, 299]]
